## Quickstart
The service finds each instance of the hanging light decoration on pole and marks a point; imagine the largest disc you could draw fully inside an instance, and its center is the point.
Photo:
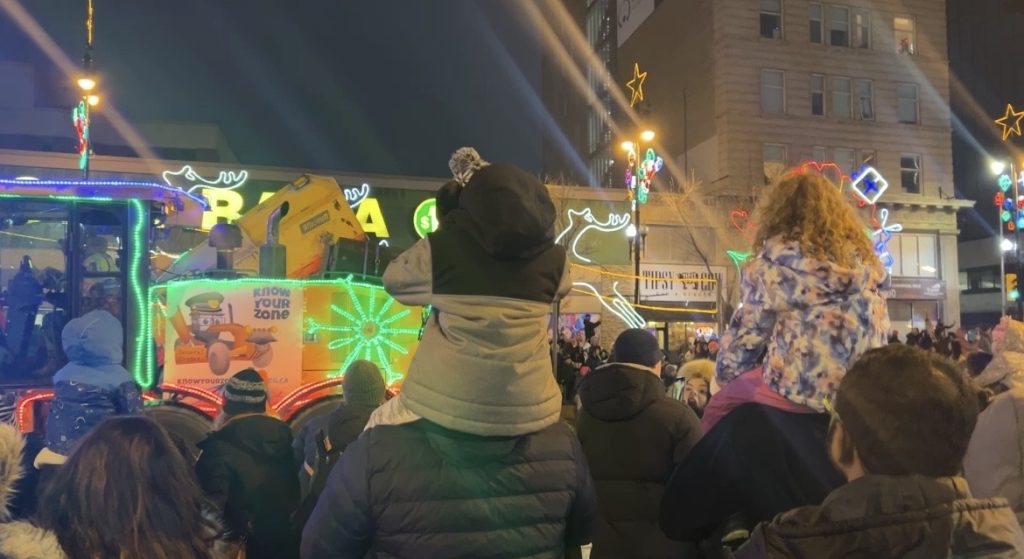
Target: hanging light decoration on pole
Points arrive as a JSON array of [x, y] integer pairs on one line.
[[80, 117], [639, 176]]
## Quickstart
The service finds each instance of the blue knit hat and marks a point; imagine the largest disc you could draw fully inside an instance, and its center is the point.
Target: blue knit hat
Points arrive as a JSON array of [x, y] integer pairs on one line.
[[636, 346]]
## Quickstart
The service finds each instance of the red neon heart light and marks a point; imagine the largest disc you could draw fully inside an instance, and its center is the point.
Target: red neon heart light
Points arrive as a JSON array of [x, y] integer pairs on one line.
[[740, 219]]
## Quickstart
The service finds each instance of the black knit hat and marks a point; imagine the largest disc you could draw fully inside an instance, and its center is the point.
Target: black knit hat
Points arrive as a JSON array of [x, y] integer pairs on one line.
[[638, 347], [363, 384], [245, 393]]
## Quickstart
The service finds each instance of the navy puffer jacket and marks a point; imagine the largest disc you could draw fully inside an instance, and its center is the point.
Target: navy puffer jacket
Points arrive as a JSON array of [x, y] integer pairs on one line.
[[420, 491]]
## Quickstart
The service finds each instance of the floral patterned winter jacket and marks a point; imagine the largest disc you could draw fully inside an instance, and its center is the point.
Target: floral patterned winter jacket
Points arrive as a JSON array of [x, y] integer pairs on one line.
[[804, 320]]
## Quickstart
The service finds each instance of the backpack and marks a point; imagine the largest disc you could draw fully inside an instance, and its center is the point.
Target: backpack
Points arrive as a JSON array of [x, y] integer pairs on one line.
[[326, 456]]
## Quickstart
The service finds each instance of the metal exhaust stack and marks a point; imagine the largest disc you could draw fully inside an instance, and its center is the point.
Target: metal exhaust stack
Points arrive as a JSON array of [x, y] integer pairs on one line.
[[273, 255]]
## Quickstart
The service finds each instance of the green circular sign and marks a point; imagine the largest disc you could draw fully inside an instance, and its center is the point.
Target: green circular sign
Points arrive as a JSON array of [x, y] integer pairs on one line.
[[424, 219]]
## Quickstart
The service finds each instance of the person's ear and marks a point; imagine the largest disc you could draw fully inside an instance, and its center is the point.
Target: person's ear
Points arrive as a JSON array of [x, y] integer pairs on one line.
[[841, 448]]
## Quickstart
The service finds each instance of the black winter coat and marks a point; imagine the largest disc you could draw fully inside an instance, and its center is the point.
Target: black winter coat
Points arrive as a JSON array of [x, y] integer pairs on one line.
[[342, 426], [758, 461], [247, 469], [634, 436], [419, 490]]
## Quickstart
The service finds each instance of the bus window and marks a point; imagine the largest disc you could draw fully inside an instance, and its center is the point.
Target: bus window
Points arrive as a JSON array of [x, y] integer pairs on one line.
[[33, 289]]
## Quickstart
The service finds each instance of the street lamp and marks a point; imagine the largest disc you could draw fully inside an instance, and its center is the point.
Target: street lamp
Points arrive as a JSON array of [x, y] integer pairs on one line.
[[640, 170], [86, 83]]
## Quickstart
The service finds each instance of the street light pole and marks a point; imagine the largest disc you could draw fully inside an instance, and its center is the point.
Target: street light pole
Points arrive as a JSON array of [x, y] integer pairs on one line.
[[80, 116], [1016, 234], [1002, 263]]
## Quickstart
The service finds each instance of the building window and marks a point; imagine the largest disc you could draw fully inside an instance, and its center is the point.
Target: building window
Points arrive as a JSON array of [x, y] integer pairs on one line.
[[771, 19], [816, 16], [865, 102], [914, 256], [980, 280], [906, 96], [819, 154], [861, 29], [910, 173], [774, 157], [773, 99], [839, 26], [903, 28], [841, 97], [866, 157], [817, 95], [844, 158]]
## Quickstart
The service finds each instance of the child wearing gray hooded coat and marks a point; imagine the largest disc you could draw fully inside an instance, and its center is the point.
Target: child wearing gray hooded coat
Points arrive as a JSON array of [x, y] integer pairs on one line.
[[491, 272]]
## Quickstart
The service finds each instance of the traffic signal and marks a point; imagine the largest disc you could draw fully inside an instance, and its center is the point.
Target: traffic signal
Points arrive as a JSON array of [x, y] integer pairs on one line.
[[1011, 287]]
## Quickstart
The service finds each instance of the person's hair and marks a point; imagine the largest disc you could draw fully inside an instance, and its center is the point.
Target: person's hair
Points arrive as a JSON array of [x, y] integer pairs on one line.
[[977, 361], [126, 492], [809, 209], [907, 411]]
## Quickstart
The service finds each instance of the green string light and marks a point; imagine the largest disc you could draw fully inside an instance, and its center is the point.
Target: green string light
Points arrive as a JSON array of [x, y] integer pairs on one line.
[[367, 333], [365, 329], [141, 369]]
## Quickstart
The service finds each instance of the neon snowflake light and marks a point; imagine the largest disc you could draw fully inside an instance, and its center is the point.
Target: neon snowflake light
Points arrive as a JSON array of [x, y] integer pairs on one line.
[[614, 222], [367, 331]]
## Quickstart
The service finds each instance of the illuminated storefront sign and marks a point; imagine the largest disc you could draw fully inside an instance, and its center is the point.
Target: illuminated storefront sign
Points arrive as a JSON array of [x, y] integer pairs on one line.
[[424, 219], [230, 194]]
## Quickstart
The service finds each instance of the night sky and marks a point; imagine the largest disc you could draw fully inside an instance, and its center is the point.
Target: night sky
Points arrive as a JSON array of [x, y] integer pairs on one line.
[[387, 86]]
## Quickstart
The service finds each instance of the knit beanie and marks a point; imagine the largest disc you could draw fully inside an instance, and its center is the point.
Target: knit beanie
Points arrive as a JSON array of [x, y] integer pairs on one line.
[[245, 393], [363, 384], [638, 347]]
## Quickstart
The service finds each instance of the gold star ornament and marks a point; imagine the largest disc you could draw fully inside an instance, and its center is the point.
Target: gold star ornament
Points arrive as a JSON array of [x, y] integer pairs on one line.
[[1004, 121], [636, 87]]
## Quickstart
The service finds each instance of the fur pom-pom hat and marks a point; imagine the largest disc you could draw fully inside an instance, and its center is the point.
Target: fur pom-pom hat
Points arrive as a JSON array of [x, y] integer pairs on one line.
[[464, 162]]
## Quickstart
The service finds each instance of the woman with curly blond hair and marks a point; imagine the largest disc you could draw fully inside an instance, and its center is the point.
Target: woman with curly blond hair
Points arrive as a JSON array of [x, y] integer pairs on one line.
[[811, 305]]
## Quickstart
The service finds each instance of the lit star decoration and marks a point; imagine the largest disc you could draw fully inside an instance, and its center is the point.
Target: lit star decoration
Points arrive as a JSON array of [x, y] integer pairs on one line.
[[1004, 121], [636, 86], [80, 120], [367, 331], [1005, 182], [869, 185], [614, 222]]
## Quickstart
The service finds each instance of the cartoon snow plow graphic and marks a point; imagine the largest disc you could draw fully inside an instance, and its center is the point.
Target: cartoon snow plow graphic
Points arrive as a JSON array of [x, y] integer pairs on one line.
[[213, 337]]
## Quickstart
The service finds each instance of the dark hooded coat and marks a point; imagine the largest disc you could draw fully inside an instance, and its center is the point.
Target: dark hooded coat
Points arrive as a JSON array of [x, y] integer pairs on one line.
[[634, 436], [248, 471]]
